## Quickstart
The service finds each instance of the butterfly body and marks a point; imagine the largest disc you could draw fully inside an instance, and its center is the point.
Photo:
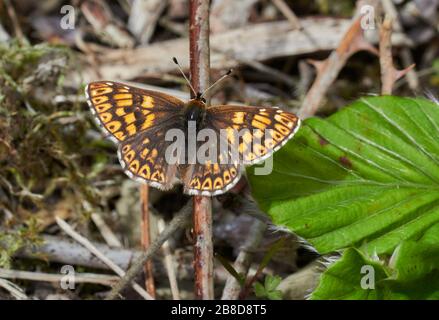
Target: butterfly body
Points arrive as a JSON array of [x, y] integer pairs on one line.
[[139, 121], [195, 110]]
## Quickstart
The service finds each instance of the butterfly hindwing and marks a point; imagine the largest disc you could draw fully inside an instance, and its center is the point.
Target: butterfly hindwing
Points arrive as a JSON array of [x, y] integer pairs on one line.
[[124, 111], [143, 159], [209, 179]]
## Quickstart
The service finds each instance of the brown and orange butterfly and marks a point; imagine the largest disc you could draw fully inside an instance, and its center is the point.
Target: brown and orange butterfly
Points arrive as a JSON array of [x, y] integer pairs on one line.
[[137, 120]]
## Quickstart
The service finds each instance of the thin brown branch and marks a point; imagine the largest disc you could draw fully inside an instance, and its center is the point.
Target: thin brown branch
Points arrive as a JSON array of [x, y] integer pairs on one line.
[[179, 221], [13, 289], [146, 238], [169, 264], [200, 77], [389, 74], [16, 25], [108, 235], [65, 251], [405, 54], [386, 59], [104, 279], [288, 13], [328, 70], [87, 244], [144, 16]]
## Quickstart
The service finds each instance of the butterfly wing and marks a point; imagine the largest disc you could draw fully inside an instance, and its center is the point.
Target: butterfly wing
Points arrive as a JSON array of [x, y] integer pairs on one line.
[[137, 120], [209, 179], [143, 158], [265, 129], [124, 111]]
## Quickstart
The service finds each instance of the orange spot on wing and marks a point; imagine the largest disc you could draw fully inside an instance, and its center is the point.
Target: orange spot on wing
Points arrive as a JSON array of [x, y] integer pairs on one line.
[[258, 125], [148, 102], [218, 183], [105, 117], [145, 172], [103, 107], [100, 99], [100, 91], [120, 135], [134, 166], [124, 103], [207, 184], [131, 129], [262, 119], [121, 96], [130, 118], [113, 126]]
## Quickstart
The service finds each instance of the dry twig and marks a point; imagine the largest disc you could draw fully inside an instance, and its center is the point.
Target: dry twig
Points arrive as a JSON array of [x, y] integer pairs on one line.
[[200, 78], [65, 251], [146, 238], [229, 14], [179, 221], [143, 18], [87, 244], [108, 235], [288, 13], [406, 56], [169, 264], [328, 70], [13, 289], [103, 279], [389, 74], [258, 42]]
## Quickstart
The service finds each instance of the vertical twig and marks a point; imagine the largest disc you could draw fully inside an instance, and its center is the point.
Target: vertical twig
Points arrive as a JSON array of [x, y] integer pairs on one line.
[[406, 55], [202, 213], [169, 264], [16, 25], [146, 238], [386, 59], [388, 72], [179, 221]]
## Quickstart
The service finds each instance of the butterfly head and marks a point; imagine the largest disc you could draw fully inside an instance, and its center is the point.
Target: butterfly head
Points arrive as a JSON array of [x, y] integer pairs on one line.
[[199, 97]]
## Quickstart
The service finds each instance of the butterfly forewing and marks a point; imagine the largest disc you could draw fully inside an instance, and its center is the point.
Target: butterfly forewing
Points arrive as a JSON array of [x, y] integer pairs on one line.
[[124, 111]]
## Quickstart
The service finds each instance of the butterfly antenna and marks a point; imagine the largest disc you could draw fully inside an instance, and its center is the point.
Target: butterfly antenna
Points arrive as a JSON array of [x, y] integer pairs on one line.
[[184, 76], [216, 82]]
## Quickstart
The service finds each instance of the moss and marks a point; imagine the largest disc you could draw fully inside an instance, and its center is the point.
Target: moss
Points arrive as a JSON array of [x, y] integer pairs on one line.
[[46, 148]]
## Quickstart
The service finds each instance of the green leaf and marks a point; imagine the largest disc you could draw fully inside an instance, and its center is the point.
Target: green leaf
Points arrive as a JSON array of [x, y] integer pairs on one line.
[[226, 264], [268, 290], [271, 282], [368, 176], [413, 273], [259, 290], [353, 277]]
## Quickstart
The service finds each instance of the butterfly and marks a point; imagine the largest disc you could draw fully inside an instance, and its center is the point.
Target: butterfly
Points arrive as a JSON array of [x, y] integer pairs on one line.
[[138, 120]]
